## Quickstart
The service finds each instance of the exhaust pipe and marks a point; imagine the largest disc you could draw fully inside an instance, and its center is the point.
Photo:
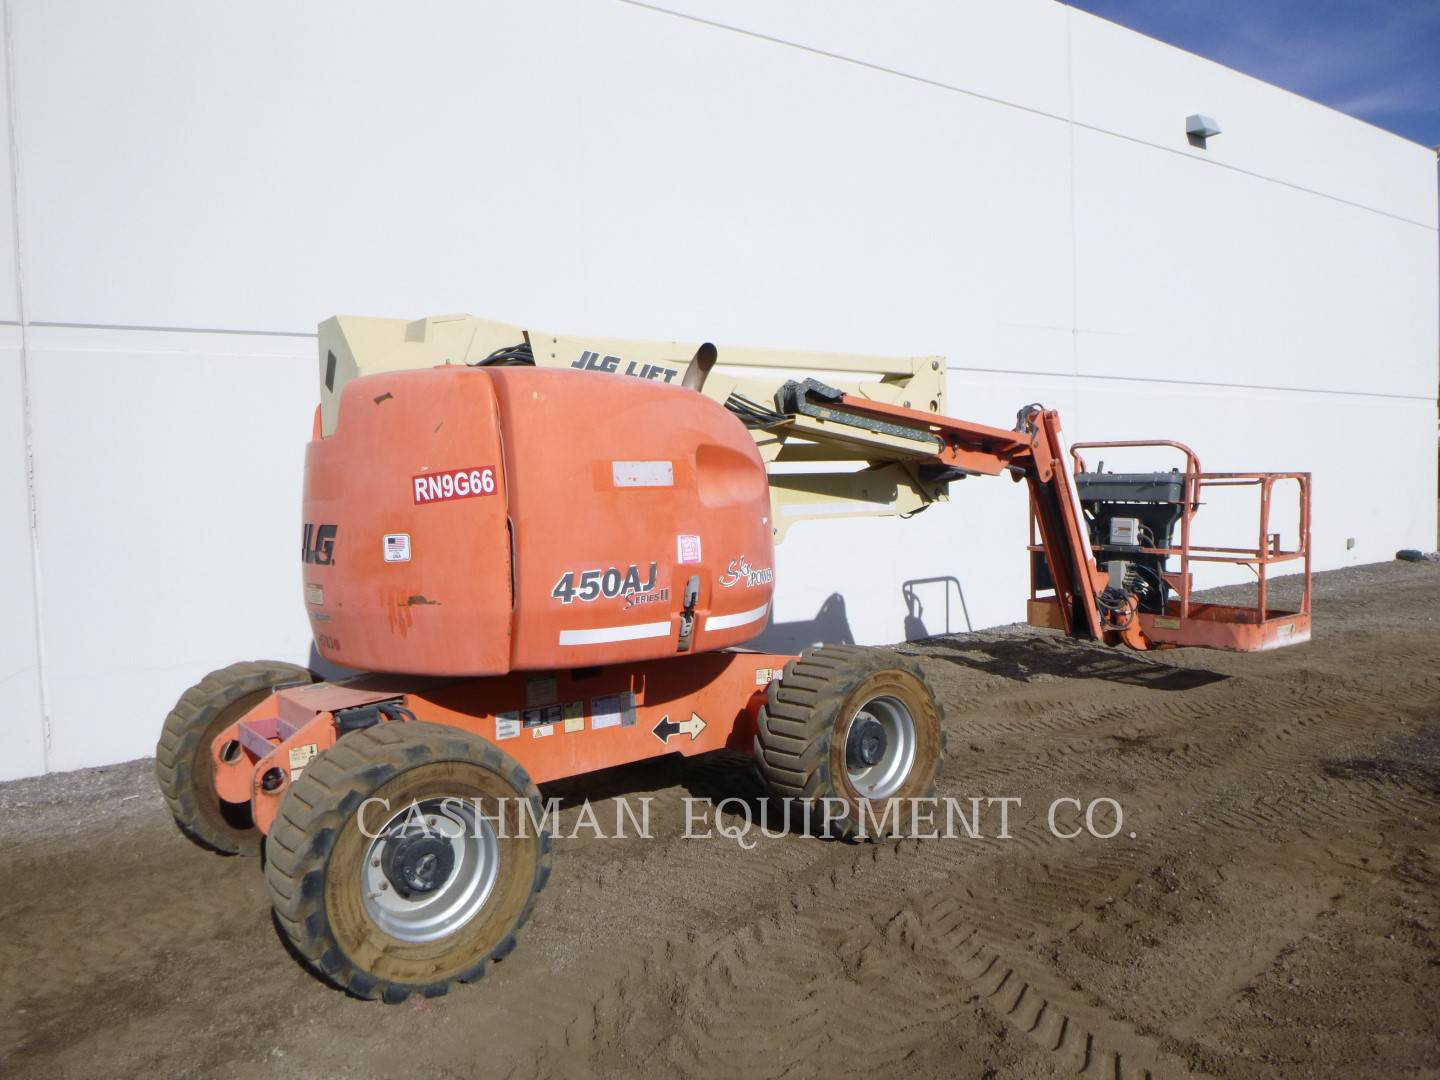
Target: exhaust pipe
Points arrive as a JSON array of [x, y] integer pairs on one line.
[[699, 367]]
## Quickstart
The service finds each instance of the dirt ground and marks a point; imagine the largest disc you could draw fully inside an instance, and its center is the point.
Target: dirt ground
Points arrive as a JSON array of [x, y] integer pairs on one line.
[[1270, 906]]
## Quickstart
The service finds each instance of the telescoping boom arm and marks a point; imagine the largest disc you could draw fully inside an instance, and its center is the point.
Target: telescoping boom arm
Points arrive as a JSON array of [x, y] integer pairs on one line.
[[1088, 601], [1032, 452]]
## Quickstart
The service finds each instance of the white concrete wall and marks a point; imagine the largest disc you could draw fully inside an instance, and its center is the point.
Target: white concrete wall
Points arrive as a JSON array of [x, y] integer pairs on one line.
[[22, 742], [1006, 182]]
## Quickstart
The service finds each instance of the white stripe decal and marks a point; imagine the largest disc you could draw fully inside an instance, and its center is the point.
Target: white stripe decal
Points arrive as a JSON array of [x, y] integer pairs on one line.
[[643, 473], [602, 634], [729, 622]]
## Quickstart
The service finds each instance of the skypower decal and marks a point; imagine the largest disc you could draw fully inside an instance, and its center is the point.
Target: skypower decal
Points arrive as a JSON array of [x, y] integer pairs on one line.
[[740, 572]]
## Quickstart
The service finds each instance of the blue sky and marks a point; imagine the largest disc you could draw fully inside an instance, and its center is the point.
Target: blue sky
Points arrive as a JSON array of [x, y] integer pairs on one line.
[[1375, 59]]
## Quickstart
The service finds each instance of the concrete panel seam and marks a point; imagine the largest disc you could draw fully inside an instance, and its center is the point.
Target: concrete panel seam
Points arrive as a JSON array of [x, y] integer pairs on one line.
[[1256, 175], [1199, 383], [28, 423], [1073, 373], [171, 329], [1074, 217], [1034, 111], [844, 59]]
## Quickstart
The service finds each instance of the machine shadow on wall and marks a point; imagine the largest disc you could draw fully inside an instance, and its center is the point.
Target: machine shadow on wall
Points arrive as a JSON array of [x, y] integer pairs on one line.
[[945, 617], [830, 626], [940, 600]]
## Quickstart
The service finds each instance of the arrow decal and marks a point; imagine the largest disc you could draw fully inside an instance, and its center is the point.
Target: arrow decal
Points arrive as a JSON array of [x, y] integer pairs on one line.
[[667, 727]]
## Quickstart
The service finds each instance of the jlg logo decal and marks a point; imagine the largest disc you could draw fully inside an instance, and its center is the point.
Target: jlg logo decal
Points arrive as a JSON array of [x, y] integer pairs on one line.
[[593, 361], [318, 546], [455, 484]]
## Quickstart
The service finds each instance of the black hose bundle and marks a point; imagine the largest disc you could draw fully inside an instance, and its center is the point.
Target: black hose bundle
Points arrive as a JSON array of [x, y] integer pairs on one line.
[[508, 356], [754, 415]]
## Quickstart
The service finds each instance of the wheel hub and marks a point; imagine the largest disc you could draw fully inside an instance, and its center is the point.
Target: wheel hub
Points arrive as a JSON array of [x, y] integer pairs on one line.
[[866, 743], [880, 747], [418, 864], [424, 879]]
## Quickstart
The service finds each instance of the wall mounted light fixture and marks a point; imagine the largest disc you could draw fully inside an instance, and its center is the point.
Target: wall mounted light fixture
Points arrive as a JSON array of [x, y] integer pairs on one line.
[[1199, 128]]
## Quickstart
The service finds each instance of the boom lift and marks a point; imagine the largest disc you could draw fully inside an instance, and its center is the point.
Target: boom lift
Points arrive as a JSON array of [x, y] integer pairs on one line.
[[546, 553]]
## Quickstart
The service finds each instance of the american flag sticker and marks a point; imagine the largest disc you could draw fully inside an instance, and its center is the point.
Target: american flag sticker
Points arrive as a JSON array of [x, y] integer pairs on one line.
[[397, 547]]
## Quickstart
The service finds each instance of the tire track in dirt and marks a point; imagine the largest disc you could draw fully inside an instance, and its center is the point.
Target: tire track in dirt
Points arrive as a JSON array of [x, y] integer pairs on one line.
[[855, 976], [1204, 772], [1343, 712], [1165, 953], [1055, 893]]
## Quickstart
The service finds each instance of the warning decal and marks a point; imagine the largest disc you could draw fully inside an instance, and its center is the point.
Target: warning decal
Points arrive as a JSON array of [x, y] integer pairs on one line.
[[300, 756], [574, 717], [614, 710]]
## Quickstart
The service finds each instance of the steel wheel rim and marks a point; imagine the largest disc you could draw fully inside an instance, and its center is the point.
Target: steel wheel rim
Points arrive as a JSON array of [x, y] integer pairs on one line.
[[454, 902], [886, 776]]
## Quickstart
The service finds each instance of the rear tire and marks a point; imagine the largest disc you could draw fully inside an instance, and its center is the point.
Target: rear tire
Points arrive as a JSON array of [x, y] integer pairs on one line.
[[406, 904], [183, 764], [845, 730]]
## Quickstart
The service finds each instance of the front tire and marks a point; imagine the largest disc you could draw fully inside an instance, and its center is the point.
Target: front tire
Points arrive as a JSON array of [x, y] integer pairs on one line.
[[853, 734], [184, 766], [386, 901]]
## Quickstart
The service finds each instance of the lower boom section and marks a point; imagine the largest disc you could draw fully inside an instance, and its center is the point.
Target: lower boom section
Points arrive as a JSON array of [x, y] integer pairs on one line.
[[553, 724]]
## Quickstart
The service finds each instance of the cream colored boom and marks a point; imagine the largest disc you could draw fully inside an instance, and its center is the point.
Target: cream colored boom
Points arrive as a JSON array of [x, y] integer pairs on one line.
[[816, 470]]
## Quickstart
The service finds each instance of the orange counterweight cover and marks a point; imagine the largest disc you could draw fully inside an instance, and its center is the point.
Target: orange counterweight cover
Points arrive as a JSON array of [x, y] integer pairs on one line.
[[476, 521]]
